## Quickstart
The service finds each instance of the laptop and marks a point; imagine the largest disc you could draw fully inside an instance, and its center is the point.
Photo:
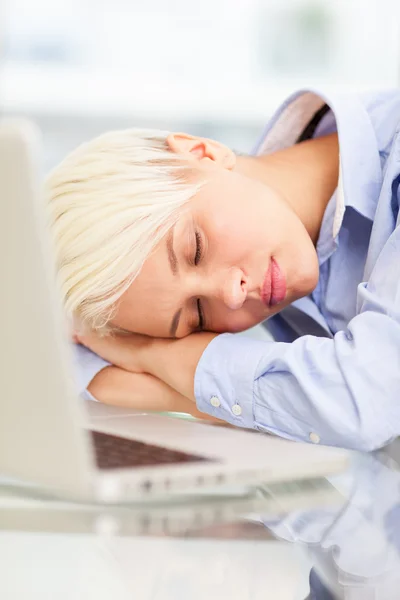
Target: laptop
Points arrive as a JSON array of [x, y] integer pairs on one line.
[[49, 438]]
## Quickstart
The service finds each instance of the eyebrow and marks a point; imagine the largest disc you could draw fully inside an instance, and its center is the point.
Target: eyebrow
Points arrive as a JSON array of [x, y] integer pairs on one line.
[[175, 323], [173, 263]]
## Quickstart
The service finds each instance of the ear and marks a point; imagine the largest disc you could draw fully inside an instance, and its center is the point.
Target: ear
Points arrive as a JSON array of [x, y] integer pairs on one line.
[[201, 149]]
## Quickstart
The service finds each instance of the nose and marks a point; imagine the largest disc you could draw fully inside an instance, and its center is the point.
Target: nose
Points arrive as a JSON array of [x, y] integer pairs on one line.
[[234, 289], [229, 286]]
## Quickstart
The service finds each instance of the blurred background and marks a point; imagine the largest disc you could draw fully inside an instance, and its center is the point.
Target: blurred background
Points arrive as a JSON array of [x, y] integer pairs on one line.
[[218, 68]]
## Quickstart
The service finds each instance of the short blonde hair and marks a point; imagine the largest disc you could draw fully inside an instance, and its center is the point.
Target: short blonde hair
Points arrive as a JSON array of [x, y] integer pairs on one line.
[[110, 203]]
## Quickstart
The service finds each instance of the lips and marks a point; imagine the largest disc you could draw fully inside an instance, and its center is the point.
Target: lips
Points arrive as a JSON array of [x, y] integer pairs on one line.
[[273, 290]]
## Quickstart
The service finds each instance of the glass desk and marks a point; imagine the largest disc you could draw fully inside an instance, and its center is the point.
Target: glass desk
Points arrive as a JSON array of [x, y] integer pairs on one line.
[[317, 539]]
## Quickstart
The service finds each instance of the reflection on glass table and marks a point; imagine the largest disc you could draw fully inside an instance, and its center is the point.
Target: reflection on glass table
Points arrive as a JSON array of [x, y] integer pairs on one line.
[[314, 539]]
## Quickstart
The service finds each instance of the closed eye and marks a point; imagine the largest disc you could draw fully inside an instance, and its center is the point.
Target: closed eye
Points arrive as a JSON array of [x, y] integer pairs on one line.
[[199, 248], [197, 258], [200, 326]]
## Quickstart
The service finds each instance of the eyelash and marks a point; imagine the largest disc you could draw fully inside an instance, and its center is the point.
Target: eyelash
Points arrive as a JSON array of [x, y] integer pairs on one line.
[[199, 248], [197, 259], [200, 326]]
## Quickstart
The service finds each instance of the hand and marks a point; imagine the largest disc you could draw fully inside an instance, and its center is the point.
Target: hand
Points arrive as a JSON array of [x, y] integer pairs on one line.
[[128, 382], [170, 360], [126, 351]]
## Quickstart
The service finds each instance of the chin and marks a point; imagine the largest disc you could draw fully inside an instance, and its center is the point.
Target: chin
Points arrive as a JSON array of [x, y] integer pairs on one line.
[[307, 282], [240, 328], [254, 323]]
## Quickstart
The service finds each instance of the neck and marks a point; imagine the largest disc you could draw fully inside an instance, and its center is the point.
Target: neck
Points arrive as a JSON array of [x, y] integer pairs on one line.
[[304, 175]]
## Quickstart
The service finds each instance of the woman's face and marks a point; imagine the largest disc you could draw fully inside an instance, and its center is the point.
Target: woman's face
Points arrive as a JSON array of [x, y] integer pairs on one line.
[[237, 255]]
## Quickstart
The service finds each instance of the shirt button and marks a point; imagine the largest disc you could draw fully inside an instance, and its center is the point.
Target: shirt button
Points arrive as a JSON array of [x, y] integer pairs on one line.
[[237, 411], [314, 438], [215, 401]]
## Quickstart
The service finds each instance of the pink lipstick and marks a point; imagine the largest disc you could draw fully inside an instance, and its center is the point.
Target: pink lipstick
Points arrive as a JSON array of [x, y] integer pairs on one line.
[[273, 290]]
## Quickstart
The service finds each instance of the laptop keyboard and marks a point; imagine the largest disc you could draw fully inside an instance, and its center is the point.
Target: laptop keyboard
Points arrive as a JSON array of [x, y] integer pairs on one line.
[[113, 452]]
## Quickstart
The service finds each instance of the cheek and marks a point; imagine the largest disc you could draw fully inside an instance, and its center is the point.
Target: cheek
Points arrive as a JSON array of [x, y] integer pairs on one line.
[[234, 321], [229, 238], [145, 307]]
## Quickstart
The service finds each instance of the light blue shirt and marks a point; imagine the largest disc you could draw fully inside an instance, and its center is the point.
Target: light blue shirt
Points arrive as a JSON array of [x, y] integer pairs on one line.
[[341, 389]]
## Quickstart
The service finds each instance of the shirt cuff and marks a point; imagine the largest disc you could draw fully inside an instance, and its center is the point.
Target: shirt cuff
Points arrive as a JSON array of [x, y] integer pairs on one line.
[[87, 365], [86, 395], [224, 378]]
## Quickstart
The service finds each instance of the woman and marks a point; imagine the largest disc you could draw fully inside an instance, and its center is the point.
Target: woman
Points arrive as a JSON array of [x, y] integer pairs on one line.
[[178, 241]]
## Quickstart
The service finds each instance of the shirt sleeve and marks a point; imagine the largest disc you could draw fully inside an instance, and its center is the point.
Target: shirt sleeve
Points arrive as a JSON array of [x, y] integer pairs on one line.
[[341, 392], [87, 365]]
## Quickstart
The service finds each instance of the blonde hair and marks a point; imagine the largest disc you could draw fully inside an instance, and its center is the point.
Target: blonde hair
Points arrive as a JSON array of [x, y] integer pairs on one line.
[[110, 203]]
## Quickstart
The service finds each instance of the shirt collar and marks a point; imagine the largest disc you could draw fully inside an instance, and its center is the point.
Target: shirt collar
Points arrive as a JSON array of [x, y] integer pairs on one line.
[[360, 178]]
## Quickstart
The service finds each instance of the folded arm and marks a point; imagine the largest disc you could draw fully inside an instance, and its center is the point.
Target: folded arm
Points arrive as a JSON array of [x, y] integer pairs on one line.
[[115, 386], [342, 391]]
